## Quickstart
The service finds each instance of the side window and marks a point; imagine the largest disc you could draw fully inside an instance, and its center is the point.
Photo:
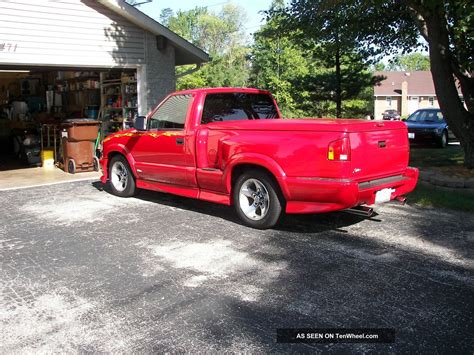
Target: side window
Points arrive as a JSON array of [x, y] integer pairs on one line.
[[238, 106], [172, 113]]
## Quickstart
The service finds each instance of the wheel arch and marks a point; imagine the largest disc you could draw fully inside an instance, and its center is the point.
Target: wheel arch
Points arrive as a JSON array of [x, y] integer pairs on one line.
[[238, 166], [121, 150]]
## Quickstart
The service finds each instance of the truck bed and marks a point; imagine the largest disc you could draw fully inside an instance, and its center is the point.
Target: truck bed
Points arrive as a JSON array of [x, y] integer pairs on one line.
[[310, 124]]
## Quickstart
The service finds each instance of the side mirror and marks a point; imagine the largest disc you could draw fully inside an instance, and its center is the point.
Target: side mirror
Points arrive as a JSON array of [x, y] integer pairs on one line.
[[141, 123]]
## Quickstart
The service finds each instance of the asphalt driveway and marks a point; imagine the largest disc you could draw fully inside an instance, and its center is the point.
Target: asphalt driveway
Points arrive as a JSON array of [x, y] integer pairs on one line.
[[82, 270]]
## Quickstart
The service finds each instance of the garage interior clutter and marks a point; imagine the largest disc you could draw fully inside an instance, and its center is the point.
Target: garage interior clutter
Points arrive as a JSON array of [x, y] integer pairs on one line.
[[59, 118]]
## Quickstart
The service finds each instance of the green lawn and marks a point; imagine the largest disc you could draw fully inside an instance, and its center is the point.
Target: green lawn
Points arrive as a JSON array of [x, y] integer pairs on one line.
[[427, 195], [449, 161], [423, 157]]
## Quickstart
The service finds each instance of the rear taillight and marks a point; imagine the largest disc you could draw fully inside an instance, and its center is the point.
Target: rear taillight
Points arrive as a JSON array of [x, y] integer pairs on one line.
[[340, 150]]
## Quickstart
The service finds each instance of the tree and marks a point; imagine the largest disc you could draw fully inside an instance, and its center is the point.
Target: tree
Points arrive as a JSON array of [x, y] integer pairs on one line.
[[381, 27], [380, 66], [165, 16], [302, 75], [277, 62], [448, 27], [222, 36], [410, 62], [324, 29]]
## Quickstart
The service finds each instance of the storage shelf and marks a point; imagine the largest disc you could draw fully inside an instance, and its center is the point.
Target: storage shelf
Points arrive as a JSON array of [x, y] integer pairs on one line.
[[121, 116], [85, 78], [73, 91], [111, 84]]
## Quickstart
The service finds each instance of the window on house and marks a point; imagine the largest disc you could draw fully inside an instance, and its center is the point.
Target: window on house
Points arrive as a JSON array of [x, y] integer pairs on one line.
[[389, 101], [431, 101]]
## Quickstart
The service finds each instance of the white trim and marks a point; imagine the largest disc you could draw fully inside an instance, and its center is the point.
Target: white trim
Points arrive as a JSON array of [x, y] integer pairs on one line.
[[142, 90]]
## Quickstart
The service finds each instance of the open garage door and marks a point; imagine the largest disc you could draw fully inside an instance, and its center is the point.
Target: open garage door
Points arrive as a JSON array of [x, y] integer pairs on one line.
[[36, 102]]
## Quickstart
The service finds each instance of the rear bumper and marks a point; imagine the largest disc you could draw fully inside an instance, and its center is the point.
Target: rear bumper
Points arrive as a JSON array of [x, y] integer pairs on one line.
[[317, 195]]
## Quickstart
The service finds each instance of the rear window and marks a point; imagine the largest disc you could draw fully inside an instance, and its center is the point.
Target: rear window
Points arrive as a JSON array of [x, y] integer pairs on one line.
[[238, 107]]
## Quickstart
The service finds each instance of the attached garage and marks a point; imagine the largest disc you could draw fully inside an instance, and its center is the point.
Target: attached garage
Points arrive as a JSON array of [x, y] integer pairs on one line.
[[101, 60]]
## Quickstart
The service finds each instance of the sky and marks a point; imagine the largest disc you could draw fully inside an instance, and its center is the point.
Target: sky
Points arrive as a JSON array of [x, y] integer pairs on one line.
[[251, 7]]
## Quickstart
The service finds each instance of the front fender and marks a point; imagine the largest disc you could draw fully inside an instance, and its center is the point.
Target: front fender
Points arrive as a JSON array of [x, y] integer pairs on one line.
[[121, 149], [258, 160]]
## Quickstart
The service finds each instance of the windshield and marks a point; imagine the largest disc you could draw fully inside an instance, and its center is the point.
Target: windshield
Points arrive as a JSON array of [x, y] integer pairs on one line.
[[426, 116]]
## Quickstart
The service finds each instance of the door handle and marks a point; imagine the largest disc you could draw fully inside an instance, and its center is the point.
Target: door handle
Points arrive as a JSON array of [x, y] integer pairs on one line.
[[179, 141]]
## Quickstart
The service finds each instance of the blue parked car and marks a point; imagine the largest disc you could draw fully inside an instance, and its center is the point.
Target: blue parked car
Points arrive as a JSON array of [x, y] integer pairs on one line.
[[428, 125]]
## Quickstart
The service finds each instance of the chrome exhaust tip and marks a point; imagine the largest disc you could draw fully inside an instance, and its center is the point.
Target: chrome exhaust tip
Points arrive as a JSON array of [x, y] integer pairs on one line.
[[401, 199], [361, 211]]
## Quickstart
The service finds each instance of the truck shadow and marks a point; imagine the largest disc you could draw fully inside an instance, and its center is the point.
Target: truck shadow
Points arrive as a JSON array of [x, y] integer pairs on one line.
[[312, 223]]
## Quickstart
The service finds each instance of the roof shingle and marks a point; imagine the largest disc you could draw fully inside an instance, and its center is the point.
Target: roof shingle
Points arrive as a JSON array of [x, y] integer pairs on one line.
[[420, 83]]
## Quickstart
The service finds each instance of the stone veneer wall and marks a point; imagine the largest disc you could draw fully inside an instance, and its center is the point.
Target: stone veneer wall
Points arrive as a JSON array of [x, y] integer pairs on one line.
[[156, 78]]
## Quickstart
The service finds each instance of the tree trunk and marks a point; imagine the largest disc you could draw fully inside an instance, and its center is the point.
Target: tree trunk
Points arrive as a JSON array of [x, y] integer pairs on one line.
[[469, 156], [460, 121], [338, 84]]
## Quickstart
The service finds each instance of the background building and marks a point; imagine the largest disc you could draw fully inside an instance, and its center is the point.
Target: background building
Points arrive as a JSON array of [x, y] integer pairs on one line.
[[405, 92]]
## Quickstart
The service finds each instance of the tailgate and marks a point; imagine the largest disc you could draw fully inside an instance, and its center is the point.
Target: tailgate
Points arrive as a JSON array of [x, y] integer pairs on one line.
[[379, 152]]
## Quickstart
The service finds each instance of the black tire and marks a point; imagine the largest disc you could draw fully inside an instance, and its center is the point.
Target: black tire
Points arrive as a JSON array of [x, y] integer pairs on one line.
[[443, 141], [71, 166], [121, 179], [270, 209]]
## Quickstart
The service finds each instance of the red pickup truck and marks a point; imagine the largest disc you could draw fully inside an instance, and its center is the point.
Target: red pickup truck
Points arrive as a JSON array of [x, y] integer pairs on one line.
[[230, 146]]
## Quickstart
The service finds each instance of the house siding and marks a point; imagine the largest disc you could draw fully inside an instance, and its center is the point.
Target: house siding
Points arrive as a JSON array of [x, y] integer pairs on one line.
[[380, 104], [68, 33], [425, 102]]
